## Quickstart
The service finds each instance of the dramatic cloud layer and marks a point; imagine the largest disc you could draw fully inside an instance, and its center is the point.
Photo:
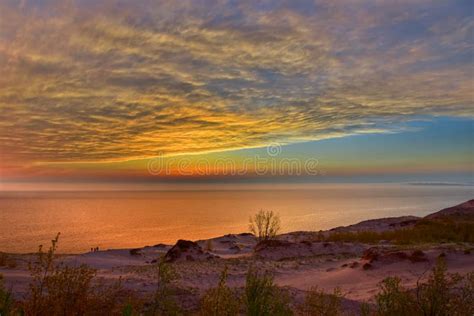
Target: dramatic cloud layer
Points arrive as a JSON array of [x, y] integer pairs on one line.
[[120, 80]]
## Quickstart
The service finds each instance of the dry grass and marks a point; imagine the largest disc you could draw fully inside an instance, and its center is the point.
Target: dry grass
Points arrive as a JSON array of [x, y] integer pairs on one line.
[[425, 231]]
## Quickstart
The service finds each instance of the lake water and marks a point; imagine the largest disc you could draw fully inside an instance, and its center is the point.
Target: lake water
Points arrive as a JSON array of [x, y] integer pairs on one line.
[[137, 218]]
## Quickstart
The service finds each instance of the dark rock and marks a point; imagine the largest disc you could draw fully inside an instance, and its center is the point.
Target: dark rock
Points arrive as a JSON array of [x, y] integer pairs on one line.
[[371, 254], [418, 256], [183, 249], [386, 256], [367, 266], [271, 243], [246, 234], [390, 256], [397, 255], [235, 248], [418, 253], [354, 265], [135, 252], [186, 244]]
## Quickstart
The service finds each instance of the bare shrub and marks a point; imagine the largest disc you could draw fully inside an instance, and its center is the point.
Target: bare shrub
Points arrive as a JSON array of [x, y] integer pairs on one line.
[[40, 271], [265, 225]]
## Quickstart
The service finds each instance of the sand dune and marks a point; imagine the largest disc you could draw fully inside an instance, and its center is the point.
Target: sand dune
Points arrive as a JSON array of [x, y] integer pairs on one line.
[[298, 260]]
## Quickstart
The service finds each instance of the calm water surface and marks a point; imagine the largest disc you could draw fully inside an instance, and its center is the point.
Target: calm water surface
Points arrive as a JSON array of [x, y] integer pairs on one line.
[[134, 219]]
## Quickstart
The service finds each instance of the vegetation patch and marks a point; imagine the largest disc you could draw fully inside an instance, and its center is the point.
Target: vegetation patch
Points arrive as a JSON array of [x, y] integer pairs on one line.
[[425, 231]]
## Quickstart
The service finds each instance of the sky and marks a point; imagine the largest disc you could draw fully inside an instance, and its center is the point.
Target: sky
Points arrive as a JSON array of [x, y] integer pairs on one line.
[[235, 90]]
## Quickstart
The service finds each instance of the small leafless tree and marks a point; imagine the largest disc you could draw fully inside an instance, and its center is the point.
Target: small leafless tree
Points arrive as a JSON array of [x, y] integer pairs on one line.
[[265, 225]]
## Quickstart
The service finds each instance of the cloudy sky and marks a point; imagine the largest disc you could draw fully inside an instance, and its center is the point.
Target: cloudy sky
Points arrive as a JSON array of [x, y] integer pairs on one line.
[[100, 88]]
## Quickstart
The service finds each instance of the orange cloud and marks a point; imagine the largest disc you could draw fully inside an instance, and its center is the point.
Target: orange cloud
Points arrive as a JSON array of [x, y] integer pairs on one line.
[[103, 83]]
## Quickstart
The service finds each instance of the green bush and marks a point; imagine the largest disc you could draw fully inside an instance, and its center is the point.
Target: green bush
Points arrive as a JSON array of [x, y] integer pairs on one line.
[[443, 294], [7, 304], [262, 297], [220, 301], [68, 291], [319, 303], [163, 302], [393, 299], [57, 289]]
